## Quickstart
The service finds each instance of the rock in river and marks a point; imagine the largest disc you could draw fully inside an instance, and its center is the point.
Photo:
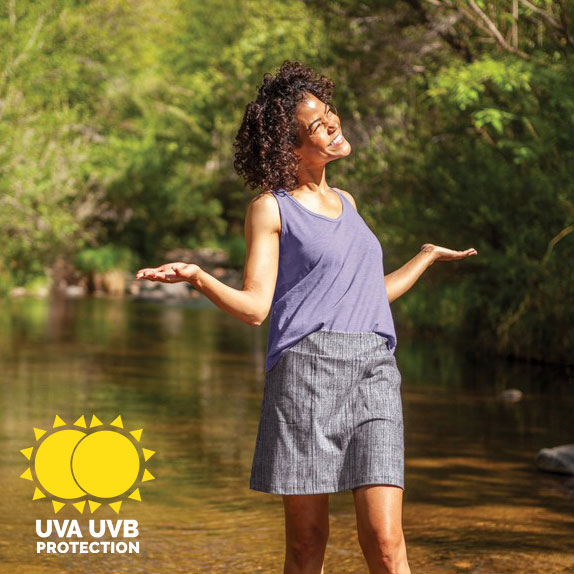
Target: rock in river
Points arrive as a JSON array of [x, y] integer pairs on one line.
[[558, 459]]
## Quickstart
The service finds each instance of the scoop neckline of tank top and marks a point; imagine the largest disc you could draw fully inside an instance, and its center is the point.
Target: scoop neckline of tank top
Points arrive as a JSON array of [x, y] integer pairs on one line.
[[333, 219]]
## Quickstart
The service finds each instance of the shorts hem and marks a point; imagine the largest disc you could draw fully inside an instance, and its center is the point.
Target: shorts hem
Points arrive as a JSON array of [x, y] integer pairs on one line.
[[386, 481]]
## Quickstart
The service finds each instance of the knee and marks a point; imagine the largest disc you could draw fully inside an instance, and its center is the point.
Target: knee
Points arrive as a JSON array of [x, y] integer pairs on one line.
[[387, 549], [305, 546]]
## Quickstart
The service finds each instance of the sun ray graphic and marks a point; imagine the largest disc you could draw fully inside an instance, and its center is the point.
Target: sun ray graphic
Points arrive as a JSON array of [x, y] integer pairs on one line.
[[75, 463]]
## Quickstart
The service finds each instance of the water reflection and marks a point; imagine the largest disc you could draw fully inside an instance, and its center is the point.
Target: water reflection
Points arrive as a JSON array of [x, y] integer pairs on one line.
[[192, 378]]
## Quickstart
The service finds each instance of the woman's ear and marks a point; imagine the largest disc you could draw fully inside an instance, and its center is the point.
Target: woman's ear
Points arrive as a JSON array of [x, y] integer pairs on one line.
[[296, 146], [296, 154]]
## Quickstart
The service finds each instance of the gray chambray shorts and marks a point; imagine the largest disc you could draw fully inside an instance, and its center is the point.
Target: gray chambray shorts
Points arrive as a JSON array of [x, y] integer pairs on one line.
[[331, 417]]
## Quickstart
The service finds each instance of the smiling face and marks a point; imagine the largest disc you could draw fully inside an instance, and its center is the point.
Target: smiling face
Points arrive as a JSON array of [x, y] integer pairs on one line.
[[320, 133]]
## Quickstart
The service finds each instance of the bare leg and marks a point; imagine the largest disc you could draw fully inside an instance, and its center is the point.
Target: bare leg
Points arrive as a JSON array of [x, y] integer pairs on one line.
[[306, 532], [379, 525]]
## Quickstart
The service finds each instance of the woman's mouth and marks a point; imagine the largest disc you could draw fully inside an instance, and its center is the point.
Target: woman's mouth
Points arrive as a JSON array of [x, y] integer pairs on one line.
[[338, 140]]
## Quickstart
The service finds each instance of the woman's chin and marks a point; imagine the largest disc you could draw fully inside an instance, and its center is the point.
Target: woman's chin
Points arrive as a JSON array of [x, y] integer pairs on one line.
[[346, 150]]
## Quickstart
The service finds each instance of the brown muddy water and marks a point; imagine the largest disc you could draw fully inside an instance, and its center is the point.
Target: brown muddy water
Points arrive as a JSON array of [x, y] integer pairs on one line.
[[191, 377]]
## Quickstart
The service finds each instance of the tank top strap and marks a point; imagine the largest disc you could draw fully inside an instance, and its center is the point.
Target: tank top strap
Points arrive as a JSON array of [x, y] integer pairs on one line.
[[287, 211], [295, 210]]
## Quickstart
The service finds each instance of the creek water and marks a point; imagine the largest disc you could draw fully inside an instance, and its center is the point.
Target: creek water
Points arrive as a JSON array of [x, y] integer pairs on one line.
[[192, 377]]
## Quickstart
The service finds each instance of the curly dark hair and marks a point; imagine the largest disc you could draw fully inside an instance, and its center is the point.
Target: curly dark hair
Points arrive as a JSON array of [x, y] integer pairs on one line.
[[264, 145]]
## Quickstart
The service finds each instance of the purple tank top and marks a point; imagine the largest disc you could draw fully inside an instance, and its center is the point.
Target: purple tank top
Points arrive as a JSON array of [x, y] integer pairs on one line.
[[330, 277]]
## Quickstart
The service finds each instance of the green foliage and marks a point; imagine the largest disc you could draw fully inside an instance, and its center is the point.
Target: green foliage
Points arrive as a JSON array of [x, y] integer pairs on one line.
[[117, 123], [105, 258], [237, 251], [475, 152]]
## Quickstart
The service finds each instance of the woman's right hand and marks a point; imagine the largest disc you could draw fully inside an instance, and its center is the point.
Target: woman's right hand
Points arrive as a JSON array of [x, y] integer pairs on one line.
[[170, 272]]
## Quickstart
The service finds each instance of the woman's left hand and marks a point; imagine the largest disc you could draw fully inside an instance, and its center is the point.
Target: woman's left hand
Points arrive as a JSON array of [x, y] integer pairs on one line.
[[444, 254]]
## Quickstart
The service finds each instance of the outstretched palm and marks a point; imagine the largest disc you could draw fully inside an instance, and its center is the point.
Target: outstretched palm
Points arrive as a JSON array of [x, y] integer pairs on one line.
[[169, 272], [445, 254]]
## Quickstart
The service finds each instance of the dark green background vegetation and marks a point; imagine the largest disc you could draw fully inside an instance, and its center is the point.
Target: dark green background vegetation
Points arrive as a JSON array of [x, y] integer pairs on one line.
[[117, 119]]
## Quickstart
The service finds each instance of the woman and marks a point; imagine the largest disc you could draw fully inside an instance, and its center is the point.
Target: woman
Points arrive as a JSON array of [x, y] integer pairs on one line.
[[331, 417]]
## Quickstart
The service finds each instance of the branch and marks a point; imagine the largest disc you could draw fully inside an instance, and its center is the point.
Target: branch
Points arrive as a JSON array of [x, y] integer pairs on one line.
[[564, 19], [445, 29], [11, 66], [512, 317], [483, 23], [493, 30], [484, 133], [12, 13], [555, 240], [544, 15]]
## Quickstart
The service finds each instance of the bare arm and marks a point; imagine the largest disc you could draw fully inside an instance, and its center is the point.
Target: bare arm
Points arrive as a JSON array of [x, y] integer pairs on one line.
[[252, 303], [401, 280]]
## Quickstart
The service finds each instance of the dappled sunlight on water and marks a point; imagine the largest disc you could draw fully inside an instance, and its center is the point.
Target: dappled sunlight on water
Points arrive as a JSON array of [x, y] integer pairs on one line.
[[192, 378]]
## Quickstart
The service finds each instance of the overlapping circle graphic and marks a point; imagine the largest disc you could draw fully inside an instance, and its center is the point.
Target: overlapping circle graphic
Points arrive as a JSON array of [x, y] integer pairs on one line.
[[96, 464]]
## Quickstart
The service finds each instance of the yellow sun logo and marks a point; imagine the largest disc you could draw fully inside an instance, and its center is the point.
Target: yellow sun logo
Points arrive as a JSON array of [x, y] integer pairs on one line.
[[74, 463]]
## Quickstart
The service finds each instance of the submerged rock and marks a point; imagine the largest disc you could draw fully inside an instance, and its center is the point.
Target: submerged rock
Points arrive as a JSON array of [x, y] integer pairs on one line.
[[559, 459], [158, 290], [511, 395]]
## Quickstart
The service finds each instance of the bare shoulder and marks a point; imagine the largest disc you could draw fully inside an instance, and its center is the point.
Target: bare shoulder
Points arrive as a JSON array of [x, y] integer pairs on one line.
[[348, 196], [263, 212]]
